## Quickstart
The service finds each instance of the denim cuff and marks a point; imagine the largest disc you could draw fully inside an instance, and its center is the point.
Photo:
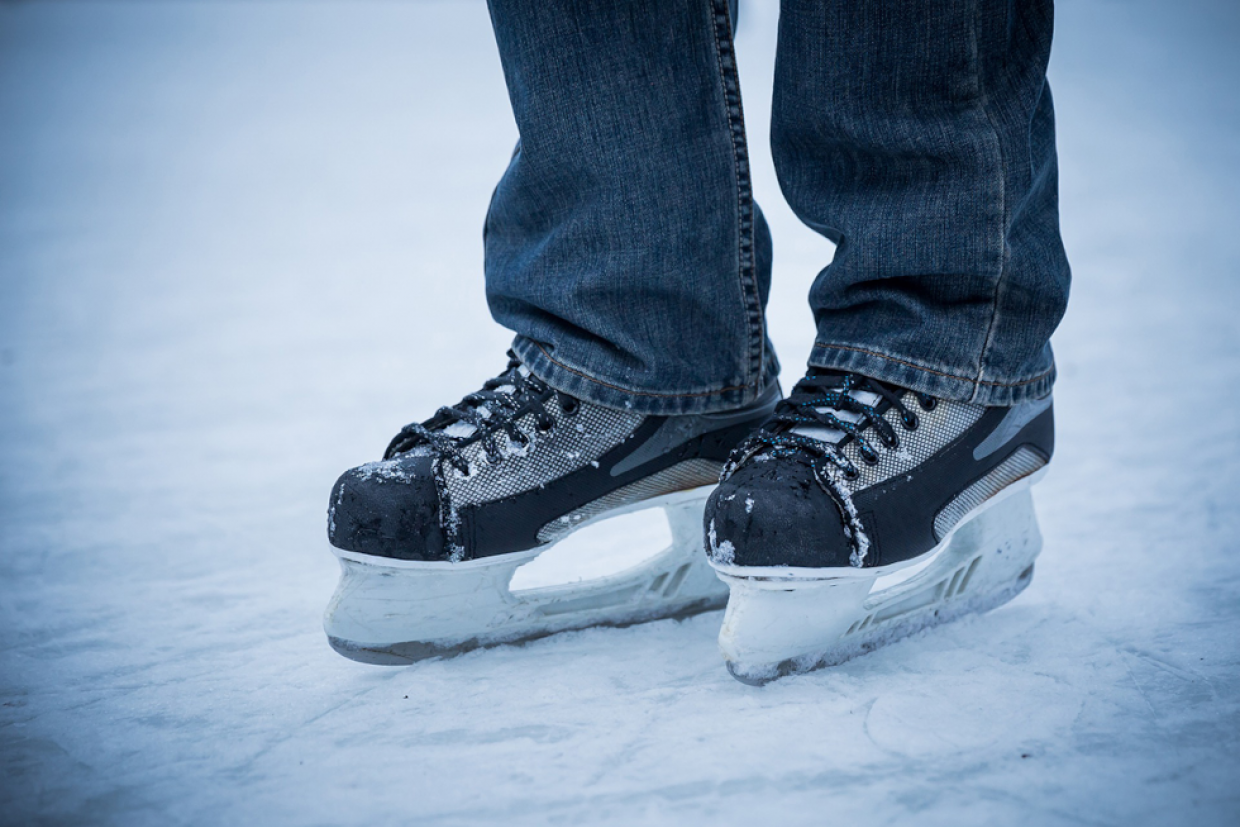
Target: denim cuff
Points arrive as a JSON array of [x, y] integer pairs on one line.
[[937, 382], [613, 394]]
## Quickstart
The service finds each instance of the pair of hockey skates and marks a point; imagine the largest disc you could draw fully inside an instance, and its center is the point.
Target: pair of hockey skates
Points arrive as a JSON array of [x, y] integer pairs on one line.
[[846, 516]]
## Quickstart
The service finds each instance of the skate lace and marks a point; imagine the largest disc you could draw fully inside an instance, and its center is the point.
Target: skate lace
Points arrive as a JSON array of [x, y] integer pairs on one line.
[[829, 400], [483, 415]]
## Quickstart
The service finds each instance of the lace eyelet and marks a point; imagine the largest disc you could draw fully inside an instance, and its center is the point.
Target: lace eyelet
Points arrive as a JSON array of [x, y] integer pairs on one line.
[[543, 427], [928, 404], [569, 405], [870, 459], [851, 473], [911, 423]]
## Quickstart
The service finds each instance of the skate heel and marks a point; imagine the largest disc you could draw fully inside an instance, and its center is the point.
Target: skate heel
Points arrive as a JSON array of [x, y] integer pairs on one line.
[[396, 612], [779, 626]]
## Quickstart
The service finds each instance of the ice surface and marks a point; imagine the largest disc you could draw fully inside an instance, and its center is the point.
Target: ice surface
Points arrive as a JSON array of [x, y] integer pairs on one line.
[[239, 248]]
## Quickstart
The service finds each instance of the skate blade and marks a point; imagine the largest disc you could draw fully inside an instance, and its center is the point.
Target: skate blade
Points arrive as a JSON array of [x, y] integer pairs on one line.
[[395, 612], [779, 626]]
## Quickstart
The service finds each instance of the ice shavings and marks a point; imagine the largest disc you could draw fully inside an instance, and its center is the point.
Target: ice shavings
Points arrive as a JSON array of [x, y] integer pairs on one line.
[[449, 517], [331, 511], [721, 552], [749, 505], [518, 449], [460, 430], [510, 447], [391, 470], [831, 480]]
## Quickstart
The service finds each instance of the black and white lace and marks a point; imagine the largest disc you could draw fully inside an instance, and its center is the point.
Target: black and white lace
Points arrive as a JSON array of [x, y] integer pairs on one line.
[[835, 403], [483, 416]]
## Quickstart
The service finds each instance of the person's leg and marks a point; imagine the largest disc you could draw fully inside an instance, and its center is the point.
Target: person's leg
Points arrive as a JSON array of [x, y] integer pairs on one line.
[[624, 248], [623, 245], [920, 137], [889, 491]]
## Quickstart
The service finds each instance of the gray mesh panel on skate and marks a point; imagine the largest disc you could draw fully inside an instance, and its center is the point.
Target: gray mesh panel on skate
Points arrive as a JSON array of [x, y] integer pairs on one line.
[[573, 442], [1021, 464], [688, 474], [947, 421]]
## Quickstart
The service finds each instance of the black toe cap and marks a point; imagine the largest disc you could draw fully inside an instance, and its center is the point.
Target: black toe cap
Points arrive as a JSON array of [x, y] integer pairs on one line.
[[775, 513], [388, 509]]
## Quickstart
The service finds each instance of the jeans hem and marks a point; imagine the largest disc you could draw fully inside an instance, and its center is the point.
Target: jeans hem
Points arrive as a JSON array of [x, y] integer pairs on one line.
[[584, 385], [938, 383]]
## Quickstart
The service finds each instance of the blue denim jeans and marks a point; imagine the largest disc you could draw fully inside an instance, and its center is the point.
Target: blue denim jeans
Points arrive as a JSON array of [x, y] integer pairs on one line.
[[624, 247]]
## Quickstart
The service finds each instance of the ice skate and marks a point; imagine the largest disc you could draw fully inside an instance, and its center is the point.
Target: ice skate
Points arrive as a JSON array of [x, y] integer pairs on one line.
[[862, 513], [429, 538]]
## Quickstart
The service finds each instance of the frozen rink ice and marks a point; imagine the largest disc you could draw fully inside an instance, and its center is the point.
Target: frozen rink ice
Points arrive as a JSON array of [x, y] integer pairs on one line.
[[240, 247]]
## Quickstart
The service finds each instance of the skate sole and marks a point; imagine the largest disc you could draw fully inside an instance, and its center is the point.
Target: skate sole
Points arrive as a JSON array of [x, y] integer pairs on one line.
[[397, 612], [781, 621]]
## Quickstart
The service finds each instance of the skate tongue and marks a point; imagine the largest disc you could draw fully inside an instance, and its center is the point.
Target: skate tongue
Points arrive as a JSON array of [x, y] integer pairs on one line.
[[834, 435]]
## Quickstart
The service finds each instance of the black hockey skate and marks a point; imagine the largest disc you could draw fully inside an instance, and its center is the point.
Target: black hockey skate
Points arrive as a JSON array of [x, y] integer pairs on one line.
[[863, 512], [429, 537]]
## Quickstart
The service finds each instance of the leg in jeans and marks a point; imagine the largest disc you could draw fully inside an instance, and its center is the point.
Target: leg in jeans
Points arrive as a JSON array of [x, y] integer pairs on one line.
[[622, 244], [624, 248], [919, 136]]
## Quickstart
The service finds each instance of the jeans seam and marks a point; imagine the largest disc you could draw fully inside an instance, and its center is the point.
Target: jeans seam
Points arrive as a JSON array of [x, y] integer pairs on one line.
[[915, 366], [630, 391], [730, 88], [1003, 212]]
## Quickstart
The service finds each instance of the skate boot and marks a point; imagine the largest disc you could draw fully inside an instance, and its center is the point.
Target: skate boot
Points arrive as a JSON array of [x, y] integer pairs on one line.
[[863, 512], [429, 537]]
